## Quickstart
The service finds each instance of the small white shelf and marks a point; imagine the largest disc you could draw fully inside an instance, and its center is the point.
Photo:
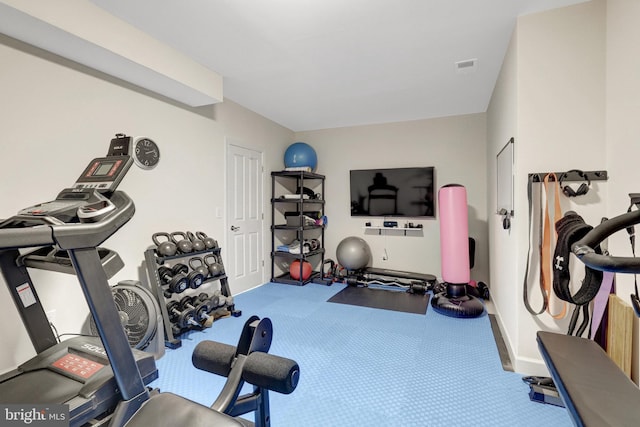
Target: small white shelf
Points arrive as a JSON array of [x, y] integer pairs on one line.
[[414, 230]]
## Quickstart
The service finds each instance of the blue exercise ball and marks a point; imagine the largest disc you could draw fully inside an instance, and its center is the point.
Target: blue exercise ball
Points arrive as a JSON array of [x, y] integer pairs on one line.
[[300, 154]]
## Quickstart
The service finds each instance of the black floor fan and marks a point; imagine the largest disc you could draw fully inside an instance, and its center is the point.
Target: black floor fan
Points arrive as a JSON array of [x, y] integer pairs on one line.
[[140, 316]]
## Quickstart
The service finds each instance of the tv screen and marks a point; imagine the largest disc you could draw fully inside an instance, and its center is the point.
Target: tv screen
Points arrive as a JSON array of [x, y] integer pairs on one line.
[[401, 192]]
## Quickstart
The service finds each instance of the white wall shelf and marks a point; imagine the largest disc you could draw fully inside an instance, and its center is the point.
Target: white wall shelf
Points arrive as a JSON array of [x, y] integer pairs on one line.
[[395, 230]]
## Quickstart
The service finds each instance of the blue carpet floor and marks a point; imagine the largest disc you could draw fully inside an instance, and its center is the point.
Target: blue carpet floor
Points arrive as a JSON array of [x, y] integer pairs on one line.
[[369, 367]]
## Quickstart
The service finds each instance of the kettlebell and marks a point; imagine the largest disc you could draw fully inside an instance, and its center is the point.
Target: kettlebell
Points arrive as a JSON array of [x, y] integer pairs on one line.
[[209, 242], [200, 266], [198, 244], [166, 248], [184, 245], [215, 268]]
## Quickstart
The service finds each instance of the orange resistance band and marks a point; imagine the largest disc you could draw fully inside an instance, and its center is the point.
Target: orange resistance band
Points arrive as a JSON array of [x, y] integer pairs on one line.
[[549, 242]]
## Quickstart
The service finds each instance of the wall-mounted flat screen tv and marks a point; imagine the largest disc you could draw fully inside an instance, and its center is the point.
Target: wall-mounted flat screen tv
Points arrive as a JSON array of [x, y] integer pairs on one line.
[[397, 192]]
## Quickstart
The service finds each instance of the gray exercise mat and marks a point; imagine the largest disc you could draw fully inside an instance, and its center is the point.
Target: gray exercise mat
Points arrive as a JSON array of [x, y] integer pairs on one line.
[[384, 299]]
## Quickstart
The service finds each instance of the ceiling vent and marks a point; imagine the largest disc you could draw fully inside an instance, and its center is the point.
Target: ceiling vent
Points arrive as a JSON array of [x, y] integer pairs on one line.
[[467, 66]]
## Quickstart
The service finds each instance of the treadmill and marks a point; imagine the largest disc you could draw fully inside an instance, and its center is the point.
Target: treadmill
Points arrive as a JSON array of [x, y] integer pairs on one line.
[[101, 379]]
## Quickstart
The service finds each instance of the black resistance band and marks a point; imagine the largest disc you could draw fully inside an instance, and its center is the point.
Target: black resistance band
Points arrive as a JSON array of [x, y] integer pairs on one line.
[[525, 291]]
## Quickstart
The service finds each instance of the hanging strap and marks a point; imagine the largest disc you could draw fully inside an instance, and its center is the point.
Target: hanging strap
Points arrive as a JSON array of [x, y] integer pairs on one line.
[[574, 320], [525, 290], [548, 242]]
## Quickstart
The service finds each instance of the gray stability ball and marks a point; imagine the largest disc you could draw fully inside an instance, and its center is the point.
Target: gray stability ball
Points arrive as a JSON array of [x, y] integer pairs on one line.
[[353, 253]]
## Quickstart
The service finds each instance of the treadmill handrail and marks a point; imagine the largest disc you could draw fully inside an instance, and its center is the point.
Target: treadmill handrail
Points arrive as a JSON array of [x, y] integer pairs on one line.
[[72, 235], [584, 248]]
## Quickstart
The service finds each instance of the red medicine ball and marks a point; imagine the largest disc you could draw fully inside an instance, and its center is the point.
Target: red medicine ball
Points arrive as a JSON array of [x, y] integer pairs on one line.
[[294, 270]]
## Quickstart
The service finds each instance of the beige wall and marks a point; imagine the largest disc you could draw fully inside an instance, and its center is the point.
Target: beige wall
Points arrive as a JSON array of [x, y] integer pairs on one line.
[[456, 146], [623, 131], [504, 246], [561, 126], [56, 116], [566, 92]]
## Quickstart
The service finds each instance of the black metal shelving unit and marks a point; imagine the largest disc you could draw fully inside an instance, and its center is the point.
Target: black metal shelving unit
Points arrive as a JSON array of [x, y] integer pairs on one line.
[[296, 181]]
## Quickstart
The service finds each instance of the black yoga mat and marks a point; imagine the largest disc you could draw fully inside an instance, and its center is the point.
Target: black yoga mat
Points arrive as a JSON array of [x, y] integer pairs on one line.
[[382, 298]]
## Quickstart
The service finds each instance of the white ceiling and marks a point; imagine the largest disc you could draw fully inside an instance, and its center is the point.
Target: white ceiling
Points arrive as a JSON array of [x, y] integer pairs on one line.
[[315, 64]]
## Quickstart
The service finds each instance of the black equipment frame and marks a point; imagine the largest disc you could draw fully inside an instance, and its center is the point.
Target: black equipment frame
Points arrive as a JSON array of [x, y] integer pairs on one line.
[[81, 241]]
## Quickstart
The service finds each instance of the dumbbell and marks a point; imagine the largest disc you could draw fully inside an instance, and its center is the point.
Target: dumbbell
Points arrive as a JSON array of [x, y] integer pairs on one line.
[[214, 299], [202, 310], [217, 299], [195, 277], [182, 318], [202, 296], [223, 301], [177, 281]]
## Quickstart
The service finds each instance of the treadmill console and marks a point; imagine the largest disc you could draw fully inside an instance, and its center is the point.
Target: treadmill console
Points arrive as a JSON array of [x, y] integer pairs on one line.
[[104, 174], [93, 199], [87, 200]]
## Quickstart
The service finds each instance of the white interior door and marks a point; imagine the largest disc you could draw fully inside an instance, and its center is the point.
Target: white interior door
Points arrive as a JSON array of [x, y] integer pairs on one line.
[[244, 254]]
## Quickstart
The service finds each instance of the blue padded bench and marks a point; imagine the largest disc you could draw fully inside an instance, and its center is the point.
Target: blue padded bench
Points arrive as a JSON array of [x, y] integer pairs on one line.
[[594, 390]]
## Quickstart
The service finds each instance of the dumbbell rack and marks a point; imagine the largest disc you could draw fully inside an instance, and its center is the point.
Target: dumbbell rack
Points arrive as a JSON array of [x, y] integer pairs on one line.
[[153, 261]]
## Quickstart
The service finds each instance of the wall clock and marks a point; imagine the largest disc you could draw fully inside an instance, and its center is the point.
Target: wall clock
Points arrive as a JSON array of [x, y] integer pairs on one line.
[[146, 153]]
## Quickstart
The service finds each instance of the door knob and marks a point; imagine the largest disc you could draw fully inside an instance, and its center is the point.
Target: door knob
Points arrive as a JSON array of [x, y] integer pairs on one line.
[[234, 228]]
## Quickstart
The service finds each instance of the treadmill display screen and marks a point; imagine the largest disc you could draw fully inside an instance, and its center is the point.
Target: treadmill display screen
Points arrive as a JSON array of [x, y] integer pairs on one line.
[[103, 169], [104, 173]]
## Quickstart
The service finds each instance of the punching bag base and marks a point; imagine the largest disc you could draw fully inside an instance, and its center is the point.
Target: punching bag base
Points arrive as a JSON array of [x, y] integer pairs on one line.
[[455, 304]]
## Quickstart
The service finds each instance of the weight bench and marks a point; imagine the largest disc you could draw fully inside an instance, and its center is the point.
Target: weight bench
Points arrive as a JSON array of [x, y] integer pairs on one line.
[[247, 362], [594, 390]]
